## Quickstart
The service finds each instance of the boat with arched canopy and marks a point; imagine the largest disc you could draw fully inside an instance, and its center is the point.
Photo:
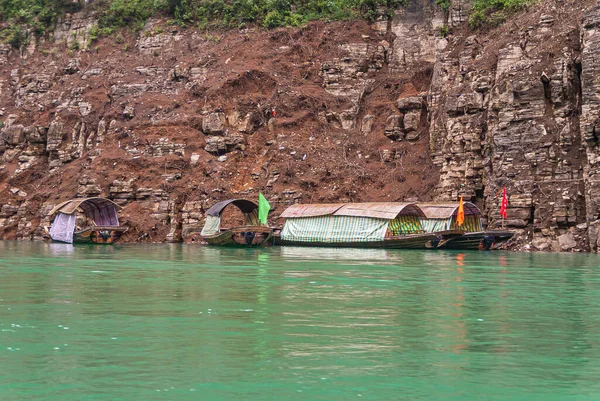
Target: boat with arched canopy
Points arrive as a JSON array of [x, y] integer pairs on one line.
[[360, 225], [251, 233], [441, 218], [86, 220]]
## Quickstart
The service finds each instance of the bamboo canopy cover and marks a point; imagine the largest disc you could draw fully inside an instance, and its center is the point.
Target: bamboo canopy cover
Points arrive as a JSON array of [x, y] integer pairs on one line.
[[350, 222]]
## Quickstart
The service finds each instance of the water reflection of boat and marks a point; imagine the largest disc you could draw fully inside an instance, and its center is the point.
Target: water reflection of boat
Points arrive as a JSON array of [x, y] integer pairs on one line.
[[98, 214], [441, 218], [358, 225], [346, 254], [60, 249], [252, 233]]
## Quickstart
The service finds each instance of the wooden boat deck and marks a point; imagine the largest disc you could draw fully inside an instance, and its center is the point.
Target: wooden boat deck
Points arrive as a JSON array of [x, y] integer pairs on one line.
[[237, 236], [99, 235], [481, 240]]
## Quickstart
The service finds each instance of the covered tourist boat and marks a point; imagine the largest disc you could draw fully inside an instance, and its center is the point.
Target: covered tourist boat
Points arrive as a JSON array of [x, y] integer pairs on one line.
[[361, 225], [86, 220], [252, 233], [441, 218]]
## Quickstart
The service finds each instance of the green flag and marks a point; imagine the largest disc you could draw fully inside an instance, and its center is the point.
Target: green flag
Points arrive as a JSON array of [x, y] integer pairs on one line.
[[263, 208]]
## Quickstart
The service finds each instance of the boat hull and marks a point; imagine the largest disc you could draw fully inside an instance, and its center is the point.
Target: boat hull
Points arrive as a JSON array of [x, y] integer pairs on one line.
[[482, 240], [441, 237], [241, 236], [97, 235], [415, 241]]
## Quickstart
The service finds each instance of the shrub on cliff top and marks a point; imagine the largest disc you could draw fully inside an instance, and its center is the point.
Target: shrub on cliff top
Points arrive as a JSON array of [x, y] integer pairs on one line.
[[41, 15], [34, 15], [126, 12], [269, 13], [493, 12]]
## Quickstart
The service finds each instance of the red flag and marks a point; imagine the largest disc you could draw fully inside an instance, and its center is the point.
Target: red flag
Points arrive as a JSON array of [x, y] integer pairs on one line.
[[504, 204]]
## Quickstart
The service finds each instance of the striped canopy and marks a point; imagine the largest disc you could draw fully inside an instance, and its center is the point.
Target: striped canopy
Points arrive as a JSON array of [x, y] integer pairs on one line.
[[350, 222], [442, 217]]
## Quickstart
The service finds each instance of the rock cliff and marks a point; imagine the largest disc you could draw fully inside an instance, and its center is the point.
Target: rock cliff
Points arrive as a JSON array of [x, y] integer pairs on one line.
[[169, 120]]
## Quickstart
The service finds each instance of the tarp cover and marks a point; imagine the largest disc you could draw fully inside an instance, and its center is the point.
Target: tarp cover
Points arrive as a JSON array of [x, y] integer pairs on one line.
[[319, 209], [102, 211], [334, 229], [447, 210], [103, 214], [472, 224], [211, 226], [63, 228], [407, 224], [435, 225], [380, 210]]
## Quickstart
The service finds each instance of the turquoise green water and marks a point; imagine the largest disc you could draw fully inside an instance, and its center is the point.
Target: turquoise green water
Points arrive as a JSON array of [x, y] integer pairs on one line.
[[173, 322]]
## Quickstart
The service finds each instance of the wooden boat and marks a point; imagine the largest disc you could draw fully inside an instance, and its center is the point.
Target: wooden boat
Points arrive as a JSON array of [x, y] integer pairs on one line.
[[99, 235], [357, 225], [441, 220], [98, 215], [252, 233], [481, 240]]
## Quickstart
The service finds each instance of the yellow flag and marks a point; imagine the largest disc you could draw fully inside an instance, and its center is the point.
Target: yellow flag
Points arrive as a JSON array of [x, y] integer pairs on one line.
[[460, 216]]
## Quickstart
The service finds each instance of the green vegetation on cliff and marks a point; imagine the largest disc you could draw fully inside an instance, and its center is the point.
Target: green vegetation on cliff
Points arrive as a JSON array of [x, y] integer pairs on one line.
[[21, 18], [40, 14], [31, 15], [493, 12], [274, 13]]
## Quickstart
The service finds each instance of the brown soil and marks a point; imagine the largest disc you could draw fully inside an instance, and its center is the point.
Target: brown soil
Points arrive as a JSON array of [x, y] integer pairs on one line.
[[246, 70]]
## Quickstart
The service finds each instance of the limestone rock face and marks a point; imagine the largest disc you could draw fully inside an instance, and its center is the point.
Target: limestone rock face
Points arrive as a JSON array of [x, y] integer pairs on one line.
[[13, 135], [394, 127], [153, 38], [590, 109], [88, 187], [4, 52], [567, 242], [123, 191], [223, 144], [214, 123], [410, 103], [515, 125], [367, 123], [75, 28], [250, 123], [348, 77], [416, 26]]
